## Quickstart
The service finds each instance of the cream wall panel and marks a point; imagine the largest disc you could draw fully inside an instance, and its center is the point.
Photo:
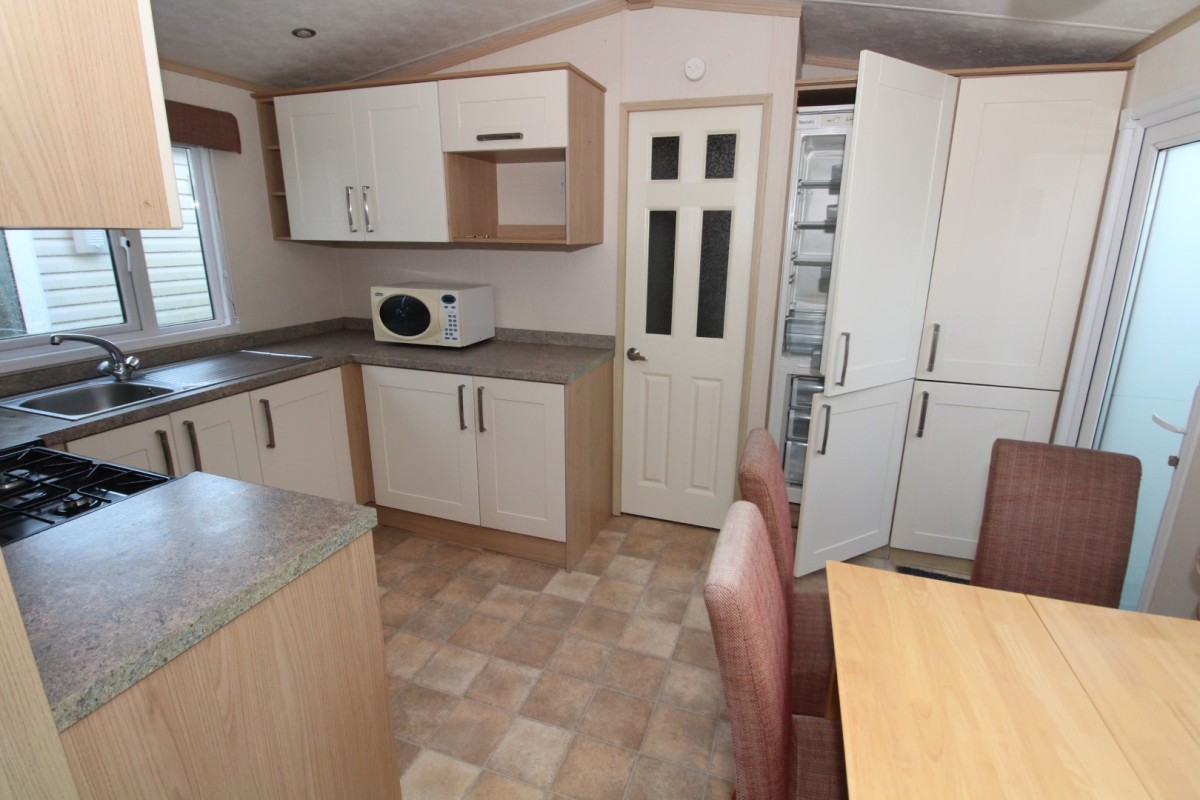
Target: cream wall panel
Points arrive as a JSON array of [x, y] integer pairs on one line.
[[1169, 67]]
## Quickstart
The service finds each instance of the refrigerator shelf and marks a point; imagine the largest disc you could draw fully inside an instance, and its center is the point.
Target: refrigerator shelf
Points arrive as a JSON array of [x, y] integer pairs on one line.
[[811, 261], [824, 224], [831, 185]]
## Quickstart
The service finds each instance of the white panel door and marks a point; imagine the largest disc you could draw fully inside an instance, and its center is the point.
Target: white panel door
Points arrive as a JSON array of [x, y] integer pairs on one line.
[[320, 172], [887, 223], [148, 444], [218, 438], [522, 457], [302, 438], [946, 458], [850, 474], [401, 179], [1023, 191], [422, 431], [691, 206]]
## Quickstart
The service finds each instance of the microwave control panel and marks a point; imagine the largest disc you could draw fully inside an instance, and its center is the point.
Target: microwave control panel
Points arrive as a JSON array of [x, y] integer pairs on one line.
[[450, 317]]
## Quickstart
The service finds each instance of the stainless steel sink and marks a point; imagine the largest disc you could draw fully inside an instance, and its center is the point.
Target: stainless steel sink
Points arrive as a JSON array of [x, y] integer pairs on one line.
[[81, 400]]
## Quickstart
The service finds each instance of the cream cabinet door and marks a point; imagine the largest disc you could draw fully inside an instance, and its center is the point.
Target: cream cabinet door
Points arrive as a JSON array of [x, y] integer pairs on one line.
[[149, 444], [504, 112], [850, 474], [218, 438], [302, 440], [422, 431], [1023, 190], [521, 449], [946, 457], [887, 224], [320, 168]]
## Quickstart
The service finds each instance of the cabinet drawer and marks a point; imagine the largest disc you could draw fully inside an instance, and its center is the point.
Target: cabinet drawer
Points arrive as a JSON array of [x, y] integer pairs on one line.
[[504, 112]]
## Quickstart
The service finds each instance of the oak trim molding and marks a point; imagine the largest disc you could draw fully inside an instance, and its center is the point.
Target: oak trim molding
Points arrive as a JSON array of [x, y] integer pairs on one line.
[[210, 75], [1180, 23]]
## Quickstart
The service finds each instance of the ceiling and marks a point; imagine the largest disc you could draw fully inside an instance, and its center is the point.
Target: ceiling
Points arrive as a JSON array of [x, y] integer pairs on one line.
[[251, 39]]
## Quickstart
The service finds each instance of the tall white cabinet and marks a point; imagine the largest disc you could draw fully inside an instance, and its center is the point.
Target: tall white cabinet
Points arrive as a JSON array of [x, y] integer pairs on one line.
[[1023, 185]]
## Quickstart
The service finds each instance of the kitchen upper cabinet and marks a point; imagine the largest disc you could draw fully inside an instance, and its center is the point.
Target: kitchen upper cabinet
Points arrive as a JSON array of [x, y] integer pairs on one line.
[[947, 454], [483, 451], [1023, 191], [363, 164], [85, 129], [892, 180], [303, 443], [522, 111]]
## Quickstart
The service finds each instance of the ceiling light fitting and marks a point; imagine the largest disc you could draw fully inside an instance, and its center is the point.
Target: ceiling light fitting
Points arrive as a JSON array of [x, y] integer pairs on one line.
[[304, 33]]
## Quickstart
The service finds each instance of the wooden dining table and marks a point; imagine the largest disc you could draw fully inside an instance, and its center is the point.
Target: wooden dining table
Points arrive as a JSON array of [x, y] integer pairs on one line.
[[947, 690]]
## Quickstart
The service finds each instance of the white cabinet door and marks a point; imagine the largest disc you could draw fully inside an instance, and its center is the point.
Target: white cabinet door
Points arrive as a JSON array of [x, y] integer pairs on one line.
[[422, 431], [302, 438], [946, 458], [401, 179], [148, 444], [1023, 191], [892, 189], [850, 474], [504, 112], [320, 169], [218, 438], [521, 448]]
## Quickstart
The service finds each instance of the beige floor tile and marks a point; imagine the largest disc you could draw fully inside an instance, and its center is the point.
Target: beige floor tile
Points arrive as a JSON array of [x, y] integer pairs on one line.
[[572, 585], [465, 590], [489, 565], [471, 732], [662, 604], [451, 556], [507, 601], [658, 528], [696, 647], [550, 611], [451, 670], [617, 595], [673, 577], [581, 658], [608, 540], [494, 786], [503, 683], [718, 789], [635, 673], [617, 718], [650, 636], [628, 568], [530, 645], [692, 689], [688, 556], [594, 562], [696, 615], [414, 548], [423, 581], [680, 736], [405, 654], [720, 763], [558, 700], [642, 547], [385, 538], [396, 607], [656, 780], [482, 633], [436, 620], [529, 575], [620, 524], [531, 751], [600, 624], [417, 711], [594, 770], [406, 753], [389, 569], [434, 776]]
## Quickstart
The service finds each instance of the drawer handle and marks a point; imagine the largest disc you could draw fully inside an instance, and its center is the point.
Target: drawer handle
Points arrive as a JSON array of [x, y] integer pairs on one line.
[[195, 441], [462, 413], [266, 406], [499, 137], [924, 411], [933, 343], [165, 442], [479, 403]]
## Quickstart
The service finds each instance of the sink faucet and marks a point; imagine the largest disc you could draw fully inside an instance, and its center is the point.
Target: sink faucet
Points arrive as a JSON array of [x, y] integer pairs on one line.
[[119, 365]]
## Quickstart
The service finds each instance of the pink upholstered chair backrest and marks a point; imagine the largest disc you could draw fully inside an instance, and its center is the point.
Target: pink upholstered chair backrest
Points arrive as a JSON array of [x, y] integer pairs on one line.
[[761, 480], [750, 629], [1057, 522]]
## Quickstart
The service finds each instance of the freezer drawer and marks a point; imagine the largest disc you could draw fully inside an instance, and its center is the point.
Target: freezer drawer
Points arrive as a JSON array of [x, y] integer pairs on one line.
[[793, 462], [802, 390], [797, 425]]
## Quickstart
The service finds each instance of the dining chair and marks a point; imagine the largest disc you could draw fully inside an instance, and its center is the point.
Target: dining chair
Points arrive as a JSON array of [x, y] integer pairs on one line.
[[776, 754], [762, 482], [1057, 522]]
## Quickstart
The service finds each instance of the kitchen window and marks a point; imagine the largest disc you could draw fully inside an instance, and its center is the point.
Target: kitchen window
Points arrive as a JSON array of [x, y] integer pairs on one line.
[[136, 287]]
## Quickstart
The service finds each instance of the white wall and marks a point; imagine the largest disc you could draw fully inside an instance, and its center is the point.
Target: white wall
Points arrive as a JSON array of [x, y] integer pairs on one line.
[[638, 56], [273, 283]]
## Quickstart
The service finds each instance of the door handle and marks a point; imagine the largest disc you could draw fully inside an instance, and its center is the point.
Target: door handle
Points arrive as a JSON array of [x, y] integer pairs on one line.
[[195, 442], [924, 411], [933, 343], [1167, 426], [462, 414], [825, 437], [266, 407], [841, 381], [367, 210], [165, 442], [633, 355], [350, 208], [479, 403]]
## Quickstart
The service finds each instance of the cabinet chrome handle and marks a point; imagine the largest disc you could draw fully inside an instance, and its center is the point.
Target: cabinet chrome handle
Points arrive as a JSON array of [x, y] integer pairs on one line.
[[190, 427], [462, 413], [924, 411], [350, 208], [841, 381], [266, 406], [367, 210], [825, 437], [164, 441], [633, 355], [479, 404], [933, 343], [499, 137]]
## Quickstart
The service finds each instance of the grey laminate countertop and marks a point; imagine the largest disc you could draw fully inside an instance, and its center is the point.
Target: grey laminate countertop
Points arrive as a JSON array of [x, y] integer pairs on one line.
[[541, 361], [111, 596]]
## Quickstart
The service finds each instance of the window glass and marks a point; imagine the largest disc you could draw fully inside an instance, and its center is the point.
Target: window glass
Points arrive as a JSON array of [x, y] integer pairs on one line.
[[175, 259]]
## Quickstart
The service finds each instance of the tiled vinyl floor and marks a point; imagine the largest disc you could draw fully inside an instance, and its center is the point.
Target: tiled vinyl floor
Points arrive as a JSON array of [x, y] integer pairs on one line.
[[511, 679]]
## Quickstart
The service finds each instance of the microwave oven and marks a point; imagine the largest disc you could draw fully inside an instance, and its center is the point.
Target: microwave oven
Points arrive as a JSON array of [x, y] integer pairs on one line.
[[438, 314]]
